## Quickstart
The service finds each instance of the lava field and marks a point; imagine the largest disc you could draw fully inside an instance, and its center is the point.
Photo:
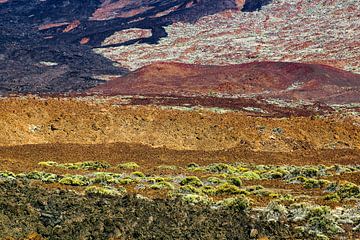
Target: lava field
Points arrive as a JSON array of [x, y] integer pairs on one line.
[[179, 119]]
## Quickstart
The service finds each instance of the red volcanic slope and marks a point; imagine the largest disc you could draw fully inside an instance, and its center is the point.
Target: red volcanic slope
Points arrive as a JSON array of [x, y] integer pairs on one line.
[[269, 79]]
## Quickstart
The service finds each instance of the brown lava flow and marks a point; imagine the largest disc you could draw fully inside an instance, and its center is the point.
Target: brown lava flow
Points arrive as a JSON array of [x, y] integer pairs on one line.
[[26, 157]]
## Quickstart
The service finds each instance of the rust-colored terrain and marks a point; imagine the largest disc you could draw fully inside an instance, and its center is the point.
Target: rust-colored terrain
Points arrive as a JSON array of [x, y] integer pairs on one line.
[[98, 146], [179, 119], [265, 79]]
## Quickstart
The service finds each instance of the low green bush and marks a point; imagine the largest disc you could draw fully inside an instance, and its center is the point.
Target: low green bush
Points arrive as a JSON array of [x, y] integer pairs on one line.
[[191, 180], [128, 165], [163, 185], [95, 190], [196, 199], [75, 180], [240, 203]]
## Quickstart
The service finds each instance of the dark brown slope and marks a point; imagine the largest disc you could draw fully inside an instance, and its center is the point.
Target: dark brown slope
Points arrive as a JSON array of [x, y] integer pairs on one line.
[[269, 79]]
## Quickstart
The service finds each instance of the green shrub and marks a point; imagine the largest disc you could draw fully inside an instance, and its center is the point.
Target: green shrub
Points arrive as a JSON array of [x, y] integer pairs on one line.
[[250, 175], [188, 189], [348, 190], [276, 174], [94, 190], [234, 181], [195, 199], [239, 203], [193, 165], [154, 180], [48, 164], [84, 165], [7, 175], [208, 190], [321, 220], [128, 165], [221, 168], [191, 180], [105, 178], [227, 189], [310, 172], [214, 180], [45, 177], [125, 181], [74, 180], [332, 197], [162, 185], [314, 183], [138, 174]]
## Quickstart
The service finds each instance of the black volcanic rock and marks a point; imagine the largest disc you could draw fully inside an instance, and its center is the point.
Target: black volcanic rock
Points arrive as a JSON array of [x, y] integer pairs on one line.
[[254, 5], [32, 32]]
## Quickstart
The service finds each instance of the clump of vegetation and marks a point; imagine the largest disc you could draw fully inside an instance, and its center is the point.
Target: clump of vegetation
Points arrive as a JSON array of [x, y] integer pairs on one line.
[[334, 197], [138, 174], [221, 168], [275, 212], [45, 177], [321, 220], [234, 181], [48, 164], [214, 180], [315, 183], [228, 189], [126, 180], [348, 190], [318, 220], [239, 203], [106, 178], [104, 191], [192, 180], [168, 167], [128, 165], [254, 188], [189, 189], [250, 175], [75, 180], [163, 185], [91, 165], [276, 174], [196, 199], [208, 190], [7, 175]]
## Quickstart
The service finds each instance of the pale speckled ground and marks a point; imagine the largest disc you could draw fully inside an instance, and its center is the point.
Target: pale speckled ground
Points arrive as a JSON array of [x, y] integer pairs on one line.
[[319, 31]]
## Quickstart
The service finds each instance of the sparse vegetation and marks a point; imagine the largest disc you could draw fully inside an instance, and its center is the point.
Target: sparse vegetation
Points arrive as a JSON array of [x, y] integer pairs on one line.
[[128, 165]]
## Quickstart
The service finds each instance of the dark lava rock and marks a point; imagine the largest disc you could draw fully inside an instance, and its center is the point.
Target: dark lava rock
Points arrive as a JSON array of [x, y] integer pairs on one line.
[[59, 214], [254, 5], [25, 42]]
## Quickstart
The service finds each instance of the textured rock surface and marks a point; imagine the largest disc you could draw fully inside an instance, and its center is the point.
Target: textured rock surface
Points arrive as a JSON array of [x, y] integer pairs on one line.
[[59, 214], [302, 31], [189, 31], [66, 121]]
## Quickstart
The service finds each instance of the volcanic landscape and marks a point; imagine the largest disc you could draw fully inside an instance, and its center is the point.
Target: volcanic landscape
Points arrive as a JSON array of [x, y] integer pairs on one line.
[[179, 119]]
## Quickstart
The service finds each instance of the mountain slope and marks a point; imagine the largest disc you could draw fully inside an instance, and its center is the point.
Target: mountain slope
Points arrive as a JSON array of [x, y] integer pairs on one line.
[[269, 79]]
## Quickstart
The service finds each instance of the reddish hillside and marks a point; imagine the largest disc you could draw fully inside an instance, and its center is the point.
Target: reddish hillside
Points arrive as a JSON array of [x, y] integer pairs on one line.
[[269, 79]]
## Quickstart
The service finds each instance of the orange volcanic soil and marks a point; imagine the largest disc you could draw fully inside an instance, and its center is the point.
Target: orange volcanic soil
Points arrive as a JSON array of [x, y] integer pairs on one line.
[[269, 79]]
